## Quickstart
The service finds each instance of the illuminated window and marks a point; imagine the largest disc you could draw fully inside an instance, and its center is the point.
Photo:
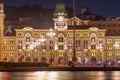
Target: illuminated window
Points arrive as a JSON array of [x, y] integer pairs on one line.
[[19, 47], [93, 46], [60, 47], [26, 46], [4, 47], [11, 54], [43, 47], [5, 42], [60, 39], [51, 47], [77, 44], [109, 53], [35, 34], [11, 48], [19, 34], [109, 41], [27, 38], [11, 41], [93, 38], [19, 41], [85, 44], [69, 44], [109, 47], [77, 35]]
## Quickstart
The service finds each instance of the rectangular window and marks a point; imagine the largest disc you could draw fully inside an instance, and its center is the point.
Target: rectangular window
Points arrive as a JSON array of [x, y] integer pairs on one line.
[[85, 44], [51, 42], [27, 46], [19, 41], [60, 47], [19, 34], [51, 47], [60, 39], [93, 46], [109, 41], [77, 44], [5, 42], [4, 47], [19, 47], [11, 41], [11, 48], [43, 47]]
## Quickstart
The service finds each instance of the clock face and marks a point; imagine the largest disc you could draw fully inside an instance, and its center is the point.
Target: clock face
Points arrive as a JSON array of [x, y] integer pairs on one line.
[[60, 18]]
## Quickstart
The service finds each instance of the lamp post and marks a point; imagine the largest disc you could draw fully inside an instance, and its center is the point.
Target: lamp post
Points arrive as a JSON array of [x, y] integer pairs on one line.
[[74, 52], [51, 34]]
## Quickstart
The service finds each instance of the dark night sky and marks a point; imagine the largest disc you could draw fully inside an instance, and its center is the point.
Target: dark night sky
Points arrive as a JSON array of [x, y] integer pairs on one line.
[[104, 8]]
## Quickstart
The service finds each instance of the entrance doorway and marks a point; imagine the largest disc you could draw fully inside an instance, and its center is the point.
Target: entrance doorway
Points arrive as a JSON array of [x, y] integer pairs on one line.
[[60, 60]]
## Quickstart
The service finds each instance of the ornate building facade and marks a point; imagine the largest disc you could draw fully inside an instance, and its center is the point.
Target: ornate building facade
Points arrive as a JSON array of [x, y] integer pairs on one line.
[[94, 41]]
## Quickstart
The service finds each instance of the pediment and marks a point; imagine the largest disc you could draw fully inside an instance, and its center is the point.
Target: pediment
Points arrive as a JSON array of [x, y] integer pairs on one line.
[[27, 28], [75, 19]]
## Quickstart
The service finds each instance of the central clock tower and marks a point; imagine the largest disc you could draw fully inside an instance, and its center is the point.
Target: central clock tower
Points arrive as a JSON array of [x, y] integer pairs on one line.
[[60, 17]]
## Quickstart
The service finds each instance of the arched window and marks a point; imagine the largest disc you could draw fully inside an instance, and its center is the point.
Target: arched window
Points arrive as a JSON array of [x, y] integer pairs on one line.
[[93, 37], [60, 38], [28, 37]]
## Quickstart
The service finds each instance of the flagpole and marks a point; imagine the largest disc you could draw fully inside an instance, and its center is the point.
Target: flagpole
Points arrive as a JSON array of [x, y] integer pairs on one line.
[[73, 8]]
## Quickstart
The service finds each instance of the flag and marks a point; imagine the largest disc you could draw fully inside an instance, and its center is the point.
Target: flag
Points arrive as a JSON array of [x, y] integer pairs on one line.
[[8, 32]]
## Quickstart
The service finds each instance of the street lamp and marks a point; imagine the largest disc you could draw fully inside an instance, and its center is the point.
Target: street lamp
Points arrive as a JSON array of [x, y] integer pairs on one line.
[[51, 34], [74, 52]]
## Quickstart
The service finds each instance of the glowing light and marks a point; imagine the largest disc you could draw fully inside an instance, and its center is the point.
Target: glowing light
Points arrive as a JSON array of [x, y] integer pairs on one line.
[[51, 34], [116, 44], [52, 75]]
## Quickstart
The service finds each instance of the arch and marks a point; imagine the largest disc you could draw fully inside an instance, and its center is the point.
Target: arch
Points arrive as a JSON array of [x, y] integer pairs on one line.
[[35, 60], [60, 37], [27, 37], [93, 59], [20, 59], [93, 37], [28, 59], [60, 60], [5, 59], [11, 60], [43, 59]]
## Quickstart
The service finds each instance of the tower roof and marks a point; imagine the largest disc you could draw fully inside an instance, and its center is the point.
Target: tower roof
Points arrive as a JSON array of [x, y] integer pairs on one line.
[[60, 10]]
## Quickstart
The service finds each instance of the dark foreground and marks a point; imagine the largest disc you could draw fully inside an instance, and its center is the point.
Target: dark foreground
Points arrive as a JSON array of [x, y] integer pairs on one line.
[[59, 68]]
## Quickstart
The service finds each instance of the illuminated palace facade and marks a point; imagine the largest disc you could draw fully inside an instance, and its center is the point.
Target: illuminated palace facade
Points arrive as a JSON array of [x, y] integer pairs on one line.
[[94, 40]]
